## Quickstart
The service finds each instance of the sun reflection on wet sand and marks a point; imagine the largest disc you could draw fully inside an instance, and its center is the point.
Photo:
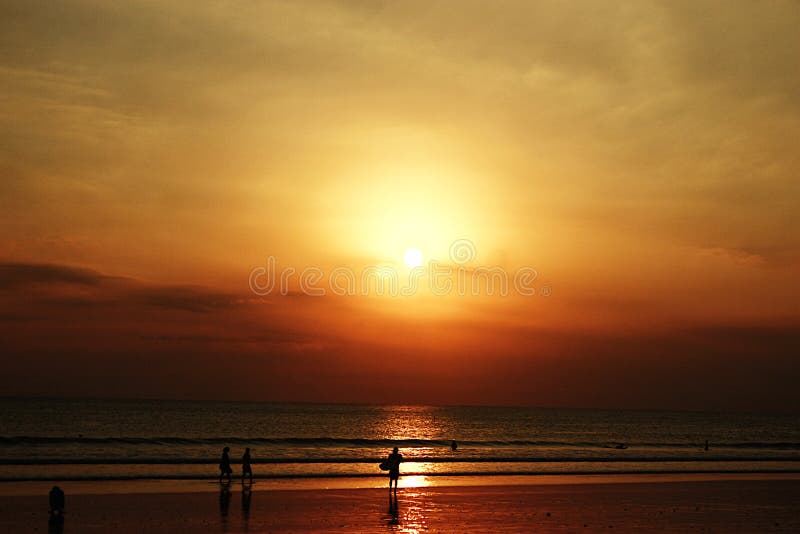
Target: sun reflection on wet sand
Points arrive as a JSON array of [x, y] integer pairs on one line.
[[409, 509], [414, 481], [409, 513]]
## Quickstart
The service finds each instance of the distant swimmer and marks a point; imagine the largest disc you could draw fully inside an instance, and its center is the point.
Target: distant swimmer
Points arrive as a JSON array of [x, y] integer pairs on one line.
[[621, 446], [454, 446]]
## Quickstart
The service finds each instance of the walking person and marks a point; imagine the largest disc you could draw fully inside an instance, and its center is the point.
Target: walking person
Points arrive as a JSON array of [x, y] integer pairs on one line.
[[225, 465], [246, 469]]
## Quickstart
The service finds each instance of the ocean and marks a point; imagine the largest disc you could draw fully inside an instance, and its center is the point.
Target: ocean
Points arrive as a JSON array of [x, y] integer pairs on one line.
[[44, 439]]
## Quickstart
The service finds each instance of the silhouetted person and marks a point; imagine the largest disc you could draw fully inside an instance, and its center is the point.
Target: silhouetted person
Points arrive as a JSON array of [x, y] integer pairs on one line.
[[393, 461], [57, 503], [706, 445], [453, 446], [246, 469], [225, 465]]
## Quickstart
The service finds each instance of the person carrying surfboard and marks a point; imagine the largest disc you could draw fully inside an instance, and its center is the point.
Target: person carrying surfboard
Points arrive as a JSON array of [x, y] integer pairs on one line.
[[393, 464]]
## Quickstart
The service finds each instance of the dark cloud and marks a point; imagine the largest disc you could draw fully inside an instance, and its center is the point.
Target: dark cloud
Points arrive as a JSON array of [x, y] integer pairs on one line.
[[107, 290], [15, 275], [121, 337], [775, 256], [190, 299], [80, 308]]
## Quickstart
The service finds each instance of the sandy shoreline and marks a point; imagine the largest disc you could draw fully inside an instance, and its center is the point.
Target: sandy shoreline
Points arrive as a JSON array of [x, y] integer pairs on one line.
[[631, 504], [167, 485]]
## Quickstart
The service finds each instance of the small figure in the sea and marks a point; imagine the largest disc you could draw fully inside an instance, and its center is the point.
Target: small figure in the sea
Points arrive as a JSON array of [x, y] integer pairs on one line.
[[621, 446], [225, 465], [453, 446], [706, 448], [393, 461], [247, 470]]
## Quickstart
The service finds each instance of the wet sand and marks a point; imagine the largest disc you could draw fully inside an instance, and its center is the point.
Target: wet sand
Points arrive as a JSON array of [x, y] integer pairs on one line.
[[724, 505]]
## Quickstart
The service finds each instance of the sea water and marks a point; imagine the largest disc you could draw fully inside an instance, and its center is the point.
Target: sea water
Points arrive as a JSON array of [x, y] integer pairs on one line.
[[116, 439]]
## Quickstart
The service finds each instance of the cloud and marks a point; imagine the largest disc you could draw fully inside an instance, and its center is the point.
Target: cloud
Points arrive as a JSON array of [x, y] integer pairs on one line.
[[775, 256], [49, 281], [16, 275], [191, 299], [641, 156], [136, 336], [81, 307]]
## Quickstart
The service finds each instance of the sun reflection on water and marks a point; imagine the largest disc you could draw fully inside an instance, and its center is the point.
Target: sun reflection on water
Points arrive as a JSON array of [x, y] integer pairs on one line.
[[410, 422], [409, 513], [414, 481]]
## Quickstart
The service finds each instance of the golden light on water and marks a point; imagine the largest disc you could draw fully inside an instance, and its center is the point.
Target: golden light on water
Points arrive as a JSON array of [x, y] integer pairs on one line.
[[411, 422], [414, 481]]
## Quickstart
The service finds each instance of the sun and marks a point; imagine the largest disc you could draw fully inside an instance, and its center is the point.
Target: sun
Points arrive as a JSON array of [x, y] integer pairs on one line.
[[412, 257]]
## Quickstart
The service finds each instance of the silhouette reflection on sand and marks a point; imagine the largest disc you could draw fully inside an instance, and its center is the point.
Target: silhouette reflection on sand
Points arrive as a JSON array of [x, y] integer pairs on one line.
[[224, 501], [247, 496]]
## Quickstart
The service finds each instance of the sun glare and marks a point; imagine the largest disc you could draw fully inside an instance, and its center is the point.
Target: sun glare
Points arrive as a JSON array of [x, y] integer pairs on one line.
[[412, 257]]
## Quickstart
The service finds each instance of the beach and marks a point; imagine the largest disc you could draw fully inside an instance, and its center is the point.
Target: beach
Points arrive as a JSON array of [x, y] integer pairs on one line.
[[641, 503], [316, 468]]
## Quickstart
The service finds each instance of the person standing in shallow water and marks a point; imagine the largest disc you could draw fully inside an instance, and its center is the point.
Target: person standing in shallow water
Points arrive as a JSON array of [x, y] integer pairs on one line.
[[246, 469], [393, 460], [225, 465]]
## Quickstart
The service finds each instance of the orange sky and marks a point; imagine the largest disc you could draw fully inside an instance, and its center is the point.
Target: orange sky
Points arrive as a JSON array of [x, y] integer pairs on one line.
[[641, 158]]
